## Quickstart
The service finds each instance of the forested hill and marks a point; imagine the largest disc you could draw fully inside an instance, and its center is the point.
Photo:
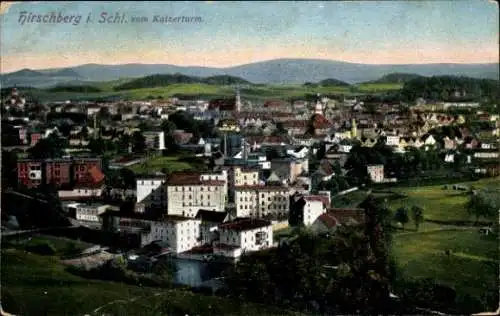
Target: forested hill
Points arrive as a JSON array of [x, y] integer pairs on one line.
[[330, 82], [165, 80], [396, 78], [450, 88]]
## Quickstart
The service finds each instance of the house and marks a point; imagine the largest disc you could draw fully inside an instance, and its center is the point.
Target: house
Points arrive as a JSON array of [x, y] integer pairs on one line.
[[151, 191], [155, 139], [90, 212], [335, 217], [376, 173], [59, 172], [226, 105], [300, 153], [210, 222], [305, 209], [243, 235], [188, 192], [228, 125], [179, 233], [449, 143], [392, 140], [261, 201], [81, 192]]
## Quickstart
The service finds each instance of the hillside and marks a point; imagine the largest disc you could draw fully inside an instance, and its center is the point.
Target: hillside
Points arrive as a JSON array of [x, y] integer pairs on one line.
[[330, 82], [155, 81], [396, 78], [451, 88], [277, 71], [75, 88]]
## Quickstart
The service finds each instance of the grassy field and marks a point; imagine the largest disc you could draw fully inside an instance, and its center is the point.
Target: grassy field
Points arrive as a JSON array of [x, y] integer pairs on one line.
[[256, 92], [379, 87], [471, 269], [439, 203], [349, 200], [40, 285], [156, 164]]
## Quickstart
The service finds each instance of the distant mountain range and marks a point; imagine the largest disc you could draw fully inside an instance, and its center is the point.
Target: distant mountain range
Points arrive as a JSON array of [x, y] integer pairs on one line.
[[278, 71]]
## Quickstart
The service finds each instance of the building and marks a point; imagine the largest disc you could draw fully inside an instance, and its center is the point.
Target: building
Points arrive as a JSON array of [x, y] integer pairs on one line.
[[151, 191], [376, 173], [30, 173], [259, 201], [305, 209], [335, 217], [243, 235], [58, 171], [85, 170], [187, 192], [210, 222], [179, 233], [90, 212], [155, 139]]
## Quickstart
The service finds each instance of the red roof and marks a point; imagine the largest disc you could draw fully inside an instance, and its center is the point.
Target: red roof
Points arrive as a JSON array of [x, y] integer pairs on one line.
[[223, 104], [96, 175], [344, 215], [273, 104], [328, 220], [320, 122]]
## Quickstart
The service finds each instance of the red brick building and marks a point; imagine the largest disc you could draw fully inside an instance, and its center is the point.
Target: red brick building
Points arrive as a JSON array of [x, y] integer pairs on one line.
[[58, 171], [82, 169], [29, 173], [61, 172], [35, 138]]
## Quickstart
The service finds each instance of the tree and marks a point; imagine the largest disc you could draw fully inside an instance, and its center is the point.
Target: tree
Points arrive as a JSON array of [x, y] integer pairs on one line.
[[50, 147], [168, 127], [402, 215], [417, 213], [138, 142], [485, 203]]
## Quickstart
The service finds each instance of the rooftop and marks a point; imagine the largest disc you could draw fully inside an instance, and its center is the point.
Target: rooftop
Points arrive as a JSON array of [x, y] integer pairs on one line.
[[243, 224]]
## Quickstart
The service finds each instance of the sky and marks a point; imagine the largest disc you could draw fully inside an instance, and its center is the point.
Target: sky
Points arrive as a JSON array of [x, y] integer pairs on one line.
[[235, 33]]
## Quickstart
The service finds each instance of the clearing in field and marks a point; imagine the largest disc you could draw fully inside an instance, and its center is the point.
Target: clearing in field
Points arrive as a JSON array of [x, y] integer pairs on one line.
[[39, 285], [157, 164], [471, 268]]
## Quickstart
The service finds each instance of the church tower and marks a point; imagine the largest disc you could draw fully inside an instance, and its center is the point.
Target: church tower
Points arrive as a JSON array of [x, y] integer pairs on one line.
[[318, 108], [238, 101], [354, 129]]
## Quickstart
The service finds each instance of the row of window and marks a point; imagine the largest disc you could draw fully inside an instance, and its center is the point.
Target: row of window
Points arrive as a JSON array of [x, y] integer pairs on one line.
[[216, 188]]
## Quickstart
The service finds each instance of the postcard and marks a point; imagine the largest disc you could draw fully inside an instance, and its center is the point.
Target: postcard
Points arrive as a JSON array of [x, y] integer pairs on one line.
[[249, 157]]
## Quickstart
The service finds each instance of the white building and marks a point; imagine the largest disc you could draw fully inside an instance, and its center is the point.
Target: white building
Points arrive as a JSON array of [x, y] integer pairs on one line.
[[85, 212], [376, 173], [313, 208], [243, 235], [187, 192], [260, 201], [180, 233], [392, 140], [210, 222], [155, 139], [151, 191]]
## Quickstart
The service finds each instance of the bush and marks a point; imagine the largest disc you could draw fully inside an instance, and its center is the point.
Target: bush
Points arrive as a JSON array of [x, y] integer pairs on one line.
[[45, 248]]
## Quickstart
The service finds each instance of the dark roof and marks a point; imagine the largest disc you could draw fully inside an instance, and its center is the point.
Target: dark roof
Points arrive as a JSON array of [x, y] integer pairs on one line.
[[243, 224], [345, 215], [222, 104], [190, 178], [211, 216]]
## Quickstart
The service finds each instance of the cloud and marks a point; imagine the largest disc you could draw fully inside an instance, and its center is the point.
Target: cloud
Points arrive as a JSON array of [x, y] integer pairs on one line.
[[5, 5]]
